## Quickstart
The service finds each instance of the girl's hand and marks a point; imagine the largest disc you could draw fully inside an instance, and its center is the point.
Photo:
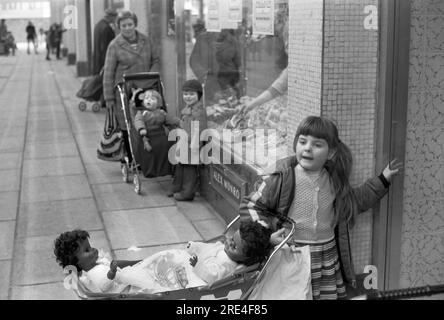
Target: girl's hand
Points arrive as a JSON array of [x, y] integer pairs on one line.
[[277, 237], [392, 169]]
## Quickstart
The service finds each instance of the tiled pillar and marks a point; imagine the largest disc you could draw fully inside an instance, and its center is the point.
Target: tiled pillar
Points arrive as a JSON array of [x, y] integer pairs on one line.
[[350, 84], [333, 72], [305, 62], [82, 39]]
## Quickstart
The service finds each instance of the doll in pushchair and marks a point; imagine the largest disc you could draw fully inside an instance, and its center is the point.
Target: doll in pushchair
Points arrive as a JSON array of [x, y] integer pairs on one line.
[[146, 117], [200, 265]]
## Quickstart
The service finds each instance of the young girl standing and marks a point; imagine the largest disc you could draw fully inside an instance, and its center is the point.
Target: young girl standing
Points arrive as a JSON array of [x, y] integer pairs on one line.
[[186, 173], [313, 189]]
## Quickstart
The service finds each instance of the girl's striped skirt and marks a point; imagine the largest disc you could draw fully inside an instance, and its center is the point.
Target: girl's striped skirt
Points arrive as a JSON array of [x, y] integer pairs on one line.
[[326, 278]]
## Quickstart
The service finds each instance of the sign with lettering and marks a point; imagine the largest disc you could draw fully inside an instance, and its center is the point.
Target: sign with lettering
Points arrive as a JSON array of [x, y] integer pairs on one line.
[[25, 9], [263, 17], [227, 184], [213, 16]]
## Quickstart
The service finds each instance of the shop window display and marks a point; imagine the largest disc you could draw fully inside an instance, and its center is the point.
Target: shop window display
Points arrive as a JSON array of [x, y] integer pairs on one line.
[[236, 65]]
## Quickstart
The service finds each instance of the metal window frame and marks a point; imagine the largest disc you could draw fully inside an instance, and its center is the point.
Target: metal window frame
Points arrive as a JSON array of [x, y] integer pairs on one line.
[[391, 136]]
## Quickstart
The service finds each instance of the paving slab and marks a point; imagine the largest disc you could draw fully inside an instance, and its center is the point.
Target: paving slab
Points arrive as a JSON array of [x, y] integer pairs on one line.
[[48, 150], [44, 189], [45, 124], [121, 196], [5, 273], [48, 218], [51, 135], [10, 161], [8, 205], [104, 173], [35, 262], [12, 144], [196, 210], [7, 230], [15, 128], [209, 229], [89, 155], [52, 167], [148, 227], [51, 291], [89, 139], [9, 180]]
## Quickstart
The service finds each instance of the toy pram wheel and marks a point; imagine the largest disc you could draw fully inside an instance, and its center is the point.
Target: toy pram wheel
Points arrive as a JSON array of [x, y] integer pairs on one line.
[[125, 172], [82, 106], [96, 107], [137, 186]]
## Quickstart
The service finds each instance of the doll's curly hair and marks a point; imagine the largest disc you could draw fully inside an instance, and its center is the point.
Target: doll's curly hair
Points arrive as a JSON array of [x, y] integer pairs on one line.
[[66, 245], [257, 241]]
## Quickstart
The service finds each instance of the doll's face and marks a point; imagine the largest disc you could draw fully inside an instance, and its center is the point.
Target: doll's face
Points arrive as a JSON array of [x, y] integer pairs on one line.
[[86, 255], [234, 248], [150, 101]]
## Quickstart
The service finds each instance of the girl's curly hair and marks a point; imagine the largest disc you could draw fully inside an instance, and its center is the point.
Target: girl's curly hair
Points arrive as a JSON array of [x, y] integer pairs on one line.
[[257, 241], [66, 246]]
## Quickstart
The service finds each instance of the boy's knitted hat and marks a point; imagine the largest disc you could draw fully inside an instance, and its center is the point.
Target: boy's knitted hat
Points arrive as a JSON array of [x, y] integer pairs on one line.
[[192, 85]]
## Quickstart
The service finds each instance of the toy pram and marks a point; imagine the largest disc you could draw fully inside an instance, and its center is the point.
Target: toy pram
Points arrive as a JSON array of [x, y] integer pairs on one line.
[[92, 91], [237, 286], [124, 87]]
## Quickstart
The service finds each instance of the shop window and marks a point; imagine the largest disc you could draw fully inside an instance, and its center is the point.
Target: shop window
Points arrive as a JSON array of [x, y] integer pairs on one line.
[[238, 55]]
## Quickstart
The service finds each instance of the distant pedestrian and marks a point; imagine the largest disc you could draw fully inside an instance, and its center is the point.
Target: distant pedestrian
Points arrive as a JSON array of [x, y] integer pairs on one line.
[[58, 36], [49, 37], [3, 30], [103, 35], [31, 36], [11, 46]]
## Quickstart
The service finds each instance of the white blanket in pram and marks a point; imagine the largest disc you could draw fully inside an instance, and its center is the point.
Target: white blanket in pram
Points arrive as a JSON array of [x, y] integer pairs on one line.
[[164, 271], [287, 277]]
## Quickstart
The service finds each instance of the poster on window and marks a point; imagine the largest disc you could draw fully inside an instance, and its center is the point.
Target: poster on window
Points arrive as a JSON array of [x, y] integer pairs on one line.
[[235, 10], [213, 16], [263, 17], [230, 14]]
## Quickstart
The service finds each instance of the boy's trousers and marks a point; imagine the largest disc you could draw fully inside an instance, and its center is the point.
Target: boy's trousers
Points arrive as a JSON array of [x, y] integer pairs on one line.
[[186, 180]]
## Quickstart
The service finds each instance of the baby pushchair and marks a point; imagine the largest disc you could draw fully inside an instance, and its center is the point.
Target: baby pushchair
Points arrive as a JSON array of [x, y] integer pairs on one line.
[[237, 286], [92, 91], [143, 80]]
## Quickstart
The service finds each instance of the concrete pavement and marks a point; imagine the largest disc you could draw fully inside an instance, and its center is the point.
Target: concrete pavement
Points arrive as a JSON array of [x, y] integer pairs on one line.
[[51, 182]]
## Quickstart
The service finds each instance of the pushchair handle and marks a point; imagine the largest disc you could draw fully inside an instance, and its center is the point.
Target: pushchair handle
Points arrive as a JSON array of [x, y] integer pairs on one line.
[[141, 76], [276, 249], [403, 293]]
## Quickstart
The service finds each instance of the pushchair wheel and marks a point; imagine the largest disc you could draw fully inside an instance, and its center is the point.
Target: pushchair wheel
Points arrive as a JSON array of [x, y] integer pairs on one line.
[[137, 185], [96, 107], [125, 172], [82, 106]]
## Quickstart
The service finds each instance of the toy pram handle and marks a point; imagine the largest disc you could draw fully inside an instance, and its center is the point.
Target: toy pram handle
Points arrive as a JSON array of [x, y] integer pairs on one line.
[[141, 76], [403, 293], [276, 249]]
